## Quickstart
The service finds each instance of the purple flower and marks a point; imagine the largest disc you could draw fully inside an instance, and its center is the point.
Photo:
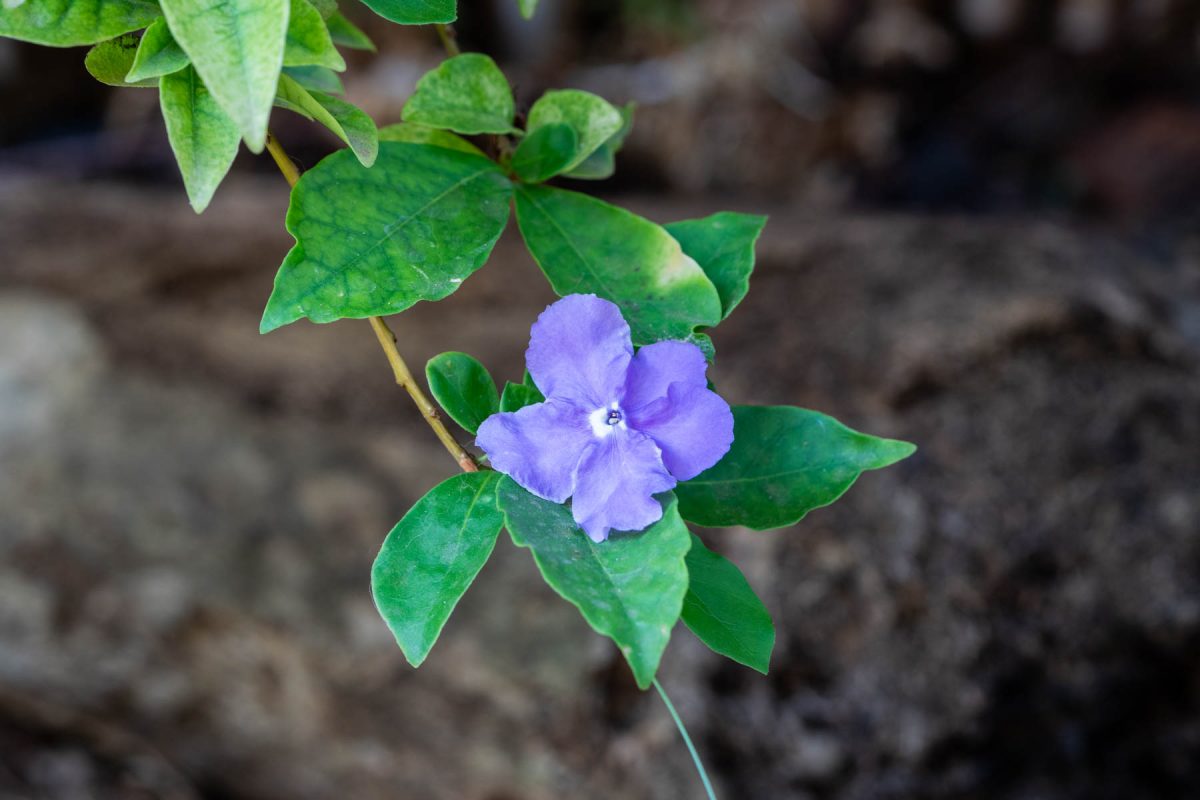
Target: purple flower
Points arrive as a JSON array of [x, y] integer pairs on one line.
[[616, 428]]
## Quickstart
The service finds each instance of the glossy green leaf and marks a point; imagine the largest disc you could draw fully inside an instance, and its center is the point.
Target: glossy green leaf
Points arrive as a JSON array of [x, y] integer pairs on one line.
[[432, 556], [157, 54], [374, 241], [586, 245], [724, 612], [237, 48], [468, 94], [347, 34], [517, 395], [109, 62], [545, 153], [415, 12], [594, 119], [308, 43], [422, 134], [528, 7], [784, 462], [602, 163], [203, 137], [70, 23], [351, 125], [723, 246], [629, 588], [463, 387], [316, 79]]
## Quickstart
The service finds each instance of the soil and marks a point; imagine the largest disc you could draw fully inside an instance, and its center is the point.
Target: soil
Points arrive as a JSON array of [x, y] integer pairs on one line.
[[188, 513]]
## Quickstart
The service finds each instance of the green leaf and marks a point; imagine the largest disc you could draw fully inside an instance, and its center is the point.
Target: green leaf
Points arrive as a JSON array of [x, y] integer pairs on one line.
[[784, 462], [422, 134], [517, 395], [594, 119], [724, 612], [308, 43], [468, 94], [374, 241], [157, 54], [237, 48], [629, 588], [351, 125], [545, 153], [326, 8], [527, 8], [602, 163], [415, 12], [431, 557], [463, 387], [723, 246], [109, 62], [347, 34], [586, 245], [70, 23], [203, 137], [317, 79], [705, 343]]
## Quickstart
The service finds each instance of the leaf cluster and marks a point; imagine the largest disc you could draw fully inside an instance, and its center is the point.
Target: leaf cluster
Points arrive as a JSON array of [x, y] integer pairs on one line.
[[407, 213]]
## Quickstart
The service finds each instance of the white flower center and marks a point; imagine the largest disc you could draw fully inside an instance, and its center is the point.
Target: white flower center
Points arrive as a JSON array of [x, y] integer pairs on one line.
[[604, 419]]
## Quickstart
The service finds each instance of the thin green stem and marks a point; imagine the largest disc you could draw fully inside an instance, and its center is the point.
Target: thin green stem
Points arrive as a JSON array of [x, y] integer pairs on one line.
[[686, 740], [449, 39]]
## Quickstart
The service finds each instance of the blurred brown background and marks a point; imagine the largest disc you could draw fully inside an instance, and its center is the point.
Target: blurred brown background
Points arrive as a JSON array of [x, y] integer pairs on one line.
[[982, 240]]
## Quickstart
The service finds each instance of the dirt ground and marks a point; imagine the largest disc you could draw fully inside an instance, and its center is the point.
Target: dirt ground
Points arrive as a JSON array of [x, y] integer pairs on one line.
[[188, 513]]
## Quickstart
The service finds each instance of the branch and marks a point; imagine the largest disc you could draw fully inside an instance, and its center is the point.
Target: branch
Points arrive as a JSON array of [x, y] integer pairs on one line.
[[387, 340]]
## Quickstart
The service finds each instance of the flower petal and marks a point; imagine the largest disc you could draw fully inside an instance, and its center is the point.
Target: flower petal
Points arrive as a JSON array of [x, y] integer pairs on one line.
[[539, 446], [579, 350], [657, 366], [691, 425], [617, 479]]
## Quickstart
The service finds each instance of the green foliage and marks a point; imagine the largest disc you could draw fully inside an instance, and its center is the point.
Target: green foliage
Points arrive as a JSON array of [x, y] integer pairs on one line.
[[308, 43], [326, 8], [109, 62], [602, 163], [157, 54], [350, 125], [464, 388], [784, 462], [518, 395], [545, 153], [415, 12], [237, 48], [724, 612], [467, 94], [629, 588], [431, 557], [317, 79], [347, 34], [406, 214], [374, 241], [203, 137], [70, 23], [422, 134], [594, 119], [723, 246], [586, 245]]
